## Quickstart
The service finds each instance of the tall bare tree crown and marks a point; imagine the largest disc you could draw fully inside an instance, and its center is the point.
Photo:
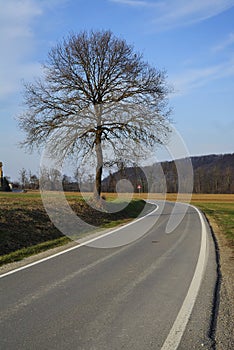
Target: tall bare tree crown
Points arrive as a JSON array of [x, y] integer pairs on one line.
[[96, 90]]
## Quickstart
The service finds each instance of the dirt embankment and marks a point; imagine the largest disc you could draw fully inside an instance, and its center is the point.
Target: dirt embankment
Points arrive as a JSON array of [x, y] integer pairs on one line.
[[24, 221]]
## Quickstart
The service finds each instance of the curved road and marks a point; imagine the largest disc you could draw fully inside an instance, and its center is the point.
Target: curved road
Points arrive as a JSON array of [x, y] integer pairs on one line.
[[155, 292]]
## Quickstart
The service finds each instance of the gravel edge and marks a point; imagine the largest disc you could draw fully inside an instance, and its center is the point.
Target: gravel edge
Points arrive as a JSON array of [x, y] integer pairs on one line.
[[224, 327]]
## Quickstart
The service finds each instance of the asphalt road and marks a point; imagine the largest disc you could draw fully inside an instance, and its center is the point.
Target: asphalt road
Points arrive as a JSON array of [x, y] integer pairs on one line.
[[156, 292]]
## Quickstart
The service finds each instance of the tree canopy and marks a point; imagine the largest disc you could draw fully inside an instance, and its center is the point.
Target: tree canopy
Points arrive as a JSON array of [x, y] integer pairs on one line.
[[96, 95]]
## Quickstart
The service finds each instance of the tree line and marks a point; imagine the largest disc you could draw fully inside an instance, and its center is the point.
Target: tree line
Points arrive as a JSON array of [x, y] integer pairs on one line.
[[53, 180], [211, 174]]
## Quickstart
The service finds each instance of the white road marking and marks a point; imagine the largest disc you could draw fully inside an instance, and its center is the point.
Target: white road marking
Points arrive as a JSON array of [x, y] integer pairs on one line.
[[78, 246], [174, 337]]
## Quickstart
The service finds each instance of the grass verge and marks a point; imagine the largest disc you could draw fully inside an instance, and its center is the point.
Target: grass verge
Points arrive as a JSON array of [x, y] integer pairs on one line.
[[20, 254], [223, 215]]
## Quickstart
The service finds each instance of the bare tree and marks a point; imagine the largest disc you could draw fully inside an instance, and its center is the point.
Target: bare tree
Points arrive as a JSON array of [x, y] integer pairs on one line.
[[80, 174], [96, 92], [23, 177], [34, 181]]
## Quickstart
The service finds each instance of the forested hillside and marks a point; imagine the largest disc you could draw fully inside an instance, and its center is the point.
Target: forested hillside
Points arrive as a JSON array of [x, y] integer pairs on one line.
[[212, 174]]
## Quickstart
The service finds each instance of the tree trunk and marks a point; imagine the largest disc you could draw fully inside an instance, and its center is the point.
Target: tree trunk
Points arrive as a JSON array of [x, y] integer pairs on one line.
[[98, 177]]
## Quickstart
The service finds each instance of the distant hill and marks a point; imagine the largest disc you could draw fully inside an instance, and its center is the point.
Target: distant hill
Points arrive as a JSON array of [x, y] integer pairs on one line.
[[212, 174]]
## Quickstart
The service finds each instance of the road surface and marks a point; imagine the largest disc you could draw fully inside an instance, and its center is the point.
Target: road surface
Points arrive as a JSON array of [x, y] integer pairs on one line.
[[155, 292]]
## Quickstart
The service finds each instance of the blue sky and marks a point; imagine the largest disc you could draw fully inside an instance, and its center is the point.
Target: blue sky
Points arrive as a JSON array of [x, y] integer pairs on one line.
[[192, 40]]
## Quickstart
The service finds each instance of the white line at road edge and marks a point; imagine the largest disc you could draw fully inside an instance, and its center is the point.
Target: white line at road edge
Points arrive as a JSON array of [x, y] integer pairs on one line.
[[78, 246], [174, 337]]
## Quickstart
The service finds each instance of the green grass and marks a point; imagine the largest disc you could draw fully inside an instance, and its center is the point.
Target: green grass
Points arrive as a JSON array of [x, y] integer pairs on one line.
[[223, 214], [32, 250]]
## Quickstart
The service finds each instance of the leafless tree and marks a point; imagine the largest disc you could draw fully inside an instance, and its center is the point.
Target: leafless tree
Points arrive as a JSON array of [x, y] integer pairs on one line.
[[96, 92], [23, 177]]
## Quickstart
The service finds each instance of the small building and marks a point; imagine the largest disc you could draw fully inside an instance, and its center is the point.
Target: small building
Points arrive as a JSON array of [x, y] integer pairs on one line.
[[1, 176], [4, 184]]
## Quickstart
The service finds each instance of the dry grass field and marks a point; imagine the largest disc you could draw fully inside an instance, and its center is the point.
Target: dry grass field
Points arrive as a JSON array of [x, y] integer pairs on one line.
[[202, 198]]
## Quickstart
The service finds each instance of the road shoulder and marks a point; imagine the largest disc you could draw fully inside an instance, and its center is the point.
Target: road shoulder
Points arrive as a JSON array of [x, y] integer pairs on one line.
[[224, 335]]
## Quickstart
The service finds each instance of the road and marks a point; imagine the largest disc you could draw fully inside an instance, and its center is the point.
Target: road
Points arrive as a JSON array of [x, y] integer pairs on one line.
[[155, 292]]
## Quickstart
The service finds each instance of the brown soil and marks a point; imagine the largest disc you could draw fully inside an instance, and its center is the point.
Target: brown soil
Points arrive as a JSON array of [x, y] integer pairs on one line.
[[24, 221]]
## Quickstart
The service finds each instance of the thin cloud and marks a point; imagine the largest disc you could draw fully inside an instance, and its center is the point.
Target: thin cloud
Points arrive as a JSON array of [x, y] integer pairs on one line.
[[18, 41], [169, 14], [225, 44], [133, 3], [177, 13], [192, 79], [15, 18]]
